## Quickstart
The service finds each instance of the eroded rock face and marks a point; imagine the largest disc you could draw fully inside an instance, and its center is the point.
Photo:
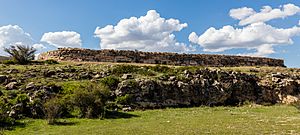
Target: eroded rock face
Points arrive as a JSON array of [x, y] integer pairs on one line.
[[76, 54], [207, 87], [280, 88], [202, 88]]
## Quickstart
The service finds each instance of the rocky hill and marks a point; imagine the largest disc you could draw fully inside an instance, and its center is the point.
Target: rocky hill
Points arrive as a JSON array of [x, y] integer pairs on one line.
[[155, 86], [126, 56]]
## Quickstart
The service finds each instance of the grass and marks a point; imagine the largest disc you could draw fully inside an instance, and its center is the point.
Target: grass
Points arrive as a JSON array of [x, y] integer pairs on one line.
[[279, 119]]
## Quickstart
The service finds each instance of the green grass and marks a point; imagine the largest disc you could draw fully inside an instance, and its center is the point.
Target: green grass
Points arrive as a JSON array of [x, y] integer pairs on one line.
[[201, 120]]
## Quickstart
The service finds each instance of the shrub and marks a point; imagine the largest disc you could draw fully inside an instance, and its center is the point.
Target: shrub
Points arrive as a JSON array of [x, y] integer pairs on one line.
[[5, 120], [51, 62], [37, 108], [21, 106], [124, 100], [110, 81], [9, 62], [70, 86], [21, 54], [53, 109], [123, 69], [91, 100], [191, 69], [146, 72], [161, 69]]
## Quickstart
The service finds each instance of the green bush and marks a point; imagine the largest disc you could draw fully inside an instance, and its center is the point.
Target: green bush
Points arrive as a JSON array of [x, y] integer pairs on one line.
[[5, 120], [124, 100], [91, 100], [123, 69], [9, 62], [21, 106], [160, 69], [53, 109], [51, 61], [70, 86], [146, 72], [110, 81]]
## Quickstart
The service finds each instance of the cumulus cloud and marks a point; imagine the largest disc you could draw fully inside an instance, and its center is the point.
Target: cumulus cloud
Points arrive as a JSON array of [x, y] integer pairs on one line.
[[255, 35], [258, 36], [146, 33], [241, 13], [13, 35], [62, 39], [249, 16]]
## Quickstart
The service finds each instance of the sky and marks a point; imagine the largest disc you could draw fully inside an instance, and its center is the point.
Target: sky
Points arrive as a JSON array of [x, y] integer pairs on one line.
[[268, 28]]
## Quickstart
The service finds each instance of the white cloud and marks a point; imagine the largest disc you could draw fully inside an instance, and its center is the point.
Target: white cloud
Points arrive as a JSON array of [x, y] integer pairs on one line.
[[62, 39], [146, 33], [13, 35], [259, 36], [241, 13], [249, 16], [255, 35], [39, 46]]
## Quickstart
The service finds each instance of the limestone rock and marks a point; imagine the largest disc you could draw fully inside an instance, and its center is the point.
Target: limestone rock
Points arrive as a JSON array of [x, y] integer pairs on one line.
[[11, 85], [127, 76], [30, 86]]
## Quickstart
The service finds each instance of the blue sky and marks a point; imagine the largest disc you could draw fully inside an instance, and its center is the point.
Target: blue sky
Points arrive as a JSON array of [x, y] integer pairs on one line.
[[38, 17]]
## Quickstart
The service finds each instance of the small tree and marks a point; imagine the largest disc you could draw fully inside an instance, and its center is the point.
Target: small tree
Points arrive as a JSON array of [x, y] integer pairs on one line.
[[20, 53]]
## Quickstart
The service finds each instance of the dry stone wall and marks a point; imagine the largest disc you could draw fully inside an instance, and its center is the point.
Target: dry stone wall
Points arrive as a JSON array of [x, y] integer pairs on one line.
[[76, 54]]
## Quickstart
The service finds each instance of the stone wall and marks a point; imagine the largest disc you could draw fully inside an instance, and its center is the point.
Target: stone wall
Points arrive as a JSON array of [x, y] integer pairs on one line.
[[76, 54]]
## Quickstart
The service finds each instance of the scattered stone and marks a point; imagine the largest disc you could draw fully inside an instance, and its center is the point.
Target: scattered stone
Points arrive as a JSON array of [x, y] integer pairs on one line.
[[127, 109], [127, 76], [12, 71], [278, 75], [97, 76], [30, 86], [172, 78], [11, 85]]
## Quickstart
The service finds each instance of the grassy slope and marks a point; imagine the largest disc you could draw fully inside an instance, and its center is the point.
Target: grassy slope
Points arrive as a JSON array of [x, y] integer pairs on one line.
[[219, 120]]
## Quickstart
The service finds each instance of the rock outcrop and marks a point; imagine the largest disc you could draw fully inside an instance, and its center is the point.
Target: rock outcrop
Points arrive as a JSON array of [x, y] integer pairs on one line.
[[75, 54], [209, 88]]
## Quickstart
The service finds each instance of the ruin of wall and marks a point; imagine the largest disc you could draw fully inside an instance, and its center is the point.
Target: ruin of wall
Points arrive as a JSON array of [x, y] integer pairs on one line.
[[126, 56]]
